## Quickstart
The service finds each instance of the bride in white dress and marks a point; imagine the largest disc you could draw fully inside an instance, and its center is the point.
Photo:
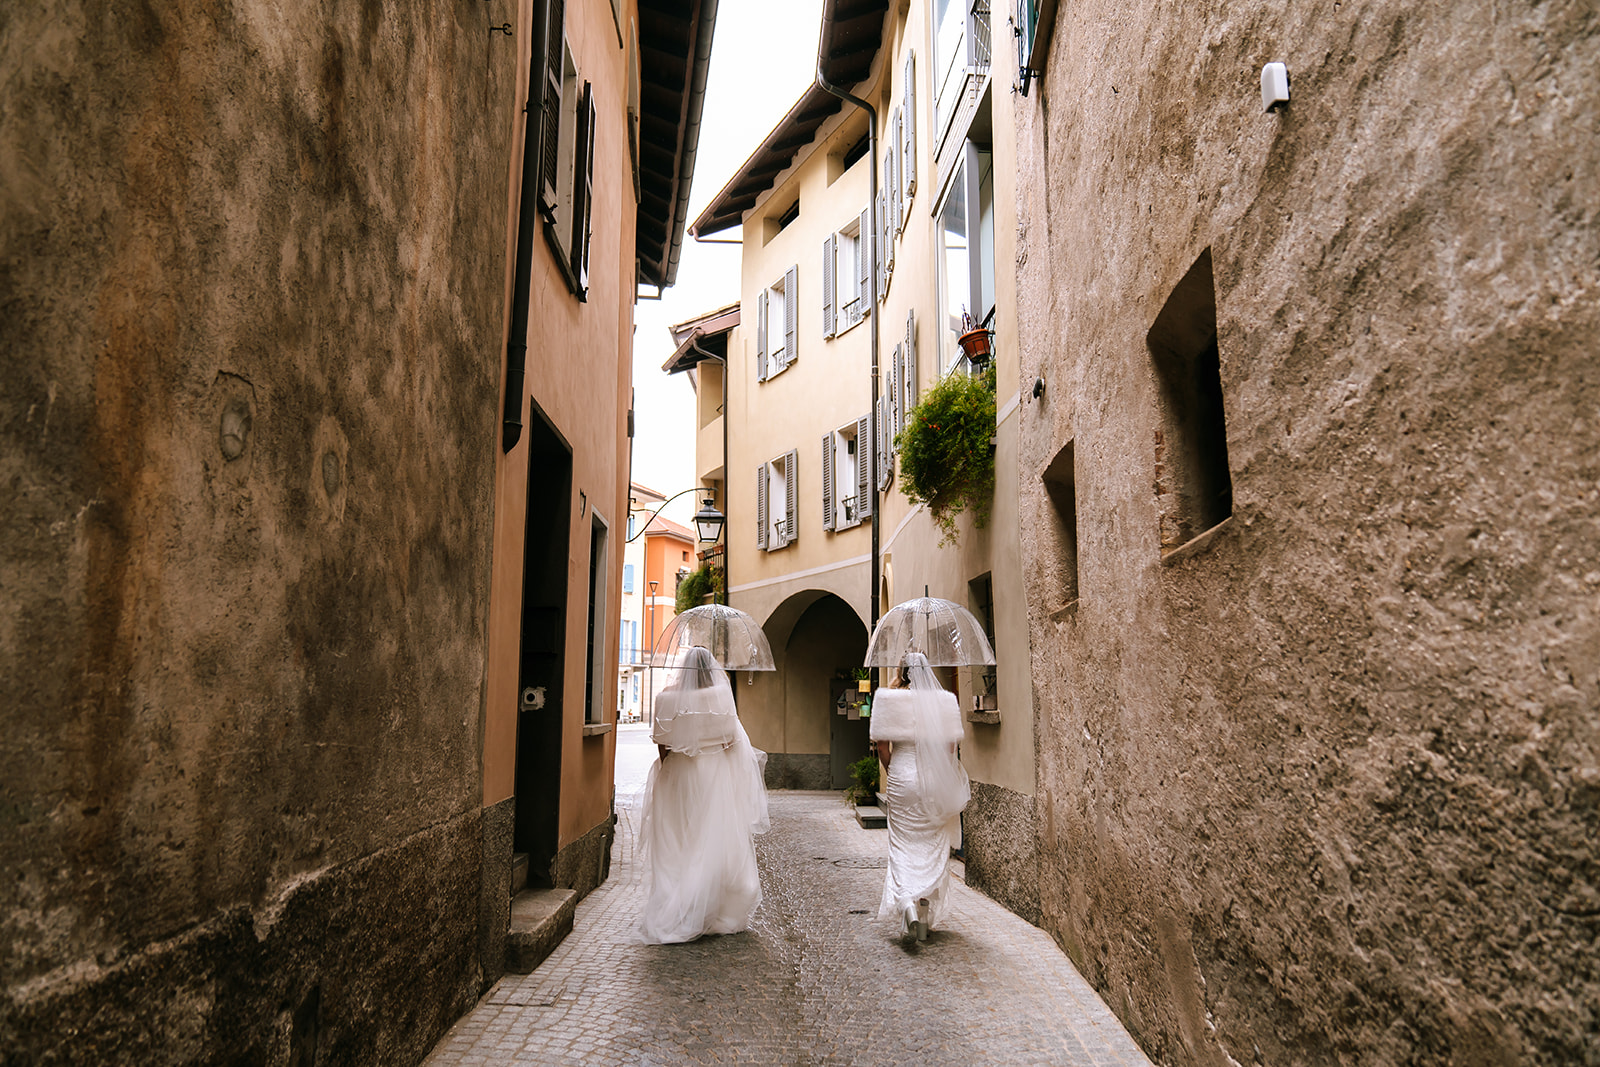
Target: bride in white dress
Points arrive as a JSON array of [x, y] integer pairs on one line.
[[703, 802], [915, 731]]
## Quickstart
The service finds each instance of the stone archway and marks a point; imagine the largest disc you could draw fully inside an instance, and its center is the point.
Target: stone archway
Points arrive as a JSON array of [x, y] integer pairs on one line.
[[814, 635]]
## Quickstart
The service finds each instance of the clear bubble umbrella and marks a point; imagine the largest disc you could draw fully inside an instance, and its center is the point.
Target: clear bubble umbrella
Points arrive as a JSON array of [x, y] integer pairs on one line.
[[942, 630], [734, 639]]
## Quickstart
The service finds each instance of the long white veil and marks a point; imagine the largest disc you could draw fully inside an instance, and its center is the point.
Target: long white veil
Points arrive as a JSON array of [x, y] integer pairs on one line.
[[942, 780]]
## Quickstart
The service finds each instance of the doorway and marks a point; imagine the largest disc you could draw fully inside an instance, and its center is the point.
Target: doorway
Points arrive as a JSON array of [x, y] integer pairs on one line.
[[543, 652]]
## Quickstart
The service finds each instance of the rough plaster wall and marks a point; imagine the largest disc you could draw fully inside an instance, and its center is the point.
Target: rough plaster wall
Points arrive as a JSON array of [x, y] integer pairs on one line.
[[250, 279], [1326, 792]]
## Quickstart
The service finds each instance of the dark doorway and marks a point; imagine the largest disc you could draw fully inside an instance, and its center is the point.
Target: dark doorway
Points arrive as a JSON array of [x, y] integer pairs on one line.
[[849, 739], [544, 647]]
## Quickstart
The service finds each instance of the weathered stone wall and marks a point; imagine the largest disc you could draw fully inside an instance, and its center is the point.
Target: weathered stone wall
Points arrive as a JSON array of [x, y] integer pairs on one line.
[[251, 277], [999, 839], [1324, 791]]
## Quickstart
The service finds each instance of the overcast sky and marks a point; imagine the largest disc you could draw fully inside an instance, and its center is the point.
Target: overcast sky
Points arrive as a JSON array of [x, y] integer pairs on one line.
[[763, 56]]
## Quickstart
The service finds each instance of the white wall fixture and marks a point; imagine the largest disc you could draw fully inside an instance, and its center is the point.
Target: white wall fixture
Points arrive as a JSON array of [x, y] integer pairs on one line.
[[1274, 86]]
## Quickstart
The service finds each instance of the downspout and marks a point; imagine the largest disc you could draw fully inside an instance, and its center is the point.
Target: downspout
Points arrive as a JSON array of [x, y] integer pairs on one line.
[[875, 311], [521, 279]]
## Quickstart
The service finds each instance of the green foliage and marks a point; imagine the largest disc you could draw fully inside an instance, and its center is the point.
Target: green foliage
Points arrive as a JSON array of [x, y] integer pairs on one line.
[[947, 450], [696, 584], [864, 772]]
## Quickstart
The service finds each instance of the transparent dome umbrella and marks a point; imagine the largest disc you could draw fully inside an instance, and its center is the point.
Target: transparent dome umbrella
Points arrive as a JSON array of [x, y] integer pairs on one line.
[[944, 631], [734, 639]]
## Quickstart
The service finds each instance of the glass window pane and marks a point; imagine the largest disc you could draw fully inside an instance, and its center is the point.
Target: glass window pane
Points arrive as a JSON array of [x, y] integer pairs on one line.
[[955, 274]]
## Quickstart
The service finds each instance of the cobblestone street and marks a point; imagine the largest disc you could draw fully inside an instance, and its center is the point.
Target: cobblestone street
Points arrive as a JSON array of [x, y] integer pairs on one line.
[[816, 980]]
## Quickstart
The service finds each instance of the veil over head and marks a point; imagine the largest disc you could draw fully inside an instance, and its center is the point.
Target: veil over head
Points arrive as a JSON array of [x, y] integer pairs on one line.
[[694, 709], [935, 728]]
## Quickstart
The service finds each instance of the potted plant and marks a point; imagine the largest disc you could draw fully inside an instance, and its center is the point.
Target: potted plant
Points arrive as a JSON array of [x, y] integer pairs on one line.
[[864, 772], [947, 450], [974, 340]]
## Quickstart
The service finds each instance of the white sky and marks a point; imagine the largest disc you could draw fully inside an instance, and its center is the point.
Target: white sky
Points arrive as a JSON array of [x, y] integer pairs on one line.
[[763, 56]]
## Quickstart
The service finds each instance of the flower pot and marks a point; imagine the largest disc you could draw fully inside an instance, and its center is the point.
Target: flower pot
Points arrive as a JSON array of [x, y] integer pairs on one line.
[[975, 345]]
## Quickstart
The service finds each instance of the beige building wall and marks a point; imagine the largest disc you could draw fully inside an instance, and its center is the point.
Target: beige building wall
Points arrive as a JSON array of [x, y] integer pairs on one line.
[[828, 385]]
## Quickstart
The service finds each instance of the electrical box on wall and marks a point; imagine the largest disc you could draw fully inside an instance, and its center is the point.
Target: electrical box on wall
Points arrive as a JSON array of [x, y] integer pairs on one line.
[[1274, 86]]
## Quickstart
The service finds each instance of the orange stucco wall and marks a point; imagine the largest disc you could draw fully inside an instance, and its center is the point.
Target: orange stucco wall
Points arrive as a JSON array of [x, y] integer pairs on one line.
[[579, 374]]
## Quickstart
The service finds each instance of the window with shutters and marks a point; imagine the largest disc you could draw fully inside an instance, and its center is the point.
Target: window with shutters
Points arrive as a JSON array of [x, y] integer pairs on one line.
[[966, 252], [567, 136], [908, 139], [842, 306], [776, 325], [846, 477], [776, 503]]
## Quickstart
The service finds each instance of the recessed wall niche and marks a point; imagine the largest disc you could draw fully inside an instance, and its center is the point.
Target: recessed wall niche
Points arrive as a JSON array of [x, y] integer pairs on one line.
[[1194, 489]]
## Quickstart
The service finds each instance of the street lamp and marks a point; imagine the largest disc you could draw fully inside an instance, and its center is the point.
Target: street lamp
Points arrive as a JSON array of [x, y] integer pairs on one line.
[[648, 711], [708, 520]]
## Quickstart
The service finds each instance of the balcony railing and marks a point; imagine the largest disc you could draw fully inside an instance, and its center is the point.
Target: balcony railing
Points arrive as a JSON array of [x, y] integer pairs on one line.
[[981, 51]]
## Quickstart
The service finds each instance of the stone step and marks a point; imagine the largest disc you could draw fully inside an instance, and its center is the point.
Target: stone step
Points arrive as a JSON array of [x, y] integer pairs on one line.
[[519, 872], [540, 918], [871, 817]]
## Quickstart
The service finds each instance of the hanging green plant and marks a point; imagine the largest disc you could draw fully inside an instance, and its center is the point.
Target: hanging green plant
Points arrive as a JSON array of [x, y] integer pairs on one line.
[[947, 450], [696, 584]]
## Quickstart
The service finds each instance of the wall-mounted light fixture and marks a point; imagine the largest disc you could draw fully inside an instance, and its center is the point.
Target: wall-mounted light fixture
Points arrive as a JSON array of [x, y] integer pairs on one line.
[[708, 521], [1274, 86]]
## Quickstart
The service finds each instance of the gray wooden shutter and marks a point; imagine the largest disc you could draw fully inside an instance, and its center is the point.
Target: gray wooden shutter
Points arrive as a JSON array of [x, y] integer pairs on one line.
[[761, 506], [828, 298], [791, 485], [863, 267], [761, 336], [883, 443], [550, 104], [911, 390], [896, 189], [864, 493], [908, 171], [828, 508], [791, 294], [897, 392], [583, 189], [881, 289]]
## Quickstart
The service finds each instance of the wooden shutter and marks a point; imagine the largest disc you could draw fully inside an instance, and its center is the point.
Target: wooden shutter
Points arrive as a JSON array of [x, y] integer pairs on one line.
[[829, 510], [791, 484], [864, 266], [828, 318], [896, 185], [864, 493], [883, 443], [791, 293], [897, 395], [761, 506], [908, 170], [582, 189], [910, 392], [881, 289], [761, 336], [550, 105]]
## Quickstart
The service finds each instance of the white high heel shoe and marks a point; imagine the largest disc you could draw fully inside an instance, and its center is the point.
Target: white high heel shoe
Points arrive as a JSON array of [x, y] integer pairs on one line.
[[909, 917], [920, 925]]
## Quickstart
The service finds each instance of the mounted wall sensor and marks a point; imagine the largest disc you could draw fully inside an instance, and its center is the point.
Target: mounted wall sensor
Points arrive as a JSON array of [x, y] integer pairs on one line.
[[1274, 86]]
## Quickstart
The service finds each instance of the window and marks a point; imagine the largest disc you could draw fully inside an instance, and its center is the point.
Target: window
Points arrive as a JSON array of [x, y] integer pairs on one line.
[[594, 686], [566, 153], [985, 679], [775, 325], [1194, 488], [1033, 22], [776, 483], [628, 647], [908, 140], [966, 260], [844, 277], [960, 55], [627, 569], [846, 476], [777, 221], [636, 689]]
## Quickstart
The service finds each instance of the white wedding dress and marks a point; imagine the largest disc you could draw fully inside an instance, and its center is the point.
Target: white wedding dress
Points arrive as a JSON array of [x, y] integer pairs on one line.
[[926, 789], [702, 806]]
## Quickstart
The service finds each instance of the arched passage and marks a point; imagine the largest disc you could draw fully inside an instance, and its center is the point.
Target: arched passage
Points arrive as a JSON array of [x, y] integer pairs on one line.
[[817, 640]]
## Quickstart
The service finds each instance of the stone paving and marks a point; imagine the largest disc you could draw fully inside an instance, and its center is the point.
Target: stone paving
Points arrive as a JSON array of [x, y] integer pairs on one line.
[[815, 981]]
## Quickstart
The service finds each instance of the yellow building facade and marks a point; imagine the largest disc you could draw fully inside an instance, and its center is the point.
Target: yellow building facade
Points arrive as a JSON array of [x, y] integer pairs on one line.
[[810, 479]]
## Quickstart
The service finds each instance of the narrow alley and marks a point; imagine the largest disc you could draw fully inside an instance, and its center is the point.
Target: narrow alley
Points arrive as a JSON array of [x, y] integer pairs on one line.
[[816, 980]]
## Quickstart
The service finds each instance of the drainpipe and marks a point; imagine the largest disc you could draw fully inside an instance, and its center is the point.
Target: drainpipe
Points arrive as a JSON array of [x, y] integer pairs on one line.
[[876, 311], [521, 278]]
